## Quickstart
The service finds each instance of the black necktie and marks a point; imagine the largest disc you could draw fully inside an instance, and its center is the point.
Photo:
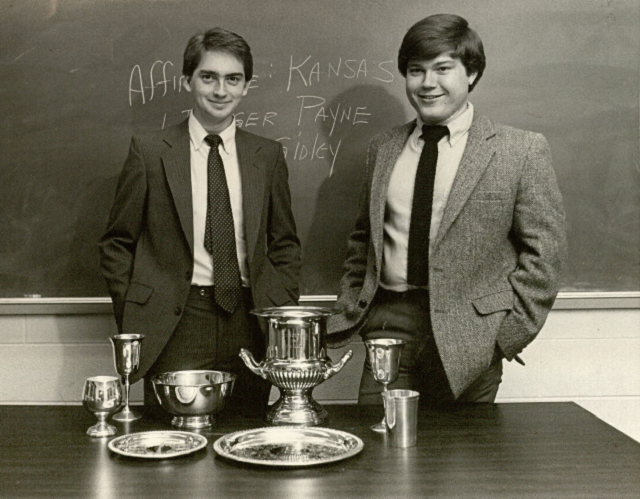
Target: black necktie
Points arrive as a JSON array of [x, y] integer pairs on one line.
[[219, 233], [418, 253]]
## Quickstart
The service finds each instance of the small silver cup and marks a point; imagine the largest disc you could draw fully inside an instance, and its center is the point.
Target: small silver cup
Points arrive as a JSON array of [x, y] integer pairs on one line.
[[126, 357], [401, 417], [384, 356], [102, 396]]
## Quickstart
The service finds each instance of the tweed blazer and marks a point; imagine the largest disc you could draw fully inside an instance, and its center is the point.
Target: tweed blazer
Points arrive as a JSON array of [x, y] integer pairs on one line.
[[496, 261], [147, 250]]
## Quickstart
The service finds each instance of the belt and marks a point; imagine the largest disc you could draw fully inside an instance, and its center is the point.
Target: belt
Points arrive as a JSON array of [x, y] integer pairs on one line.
[[401, 294], [209, 290]]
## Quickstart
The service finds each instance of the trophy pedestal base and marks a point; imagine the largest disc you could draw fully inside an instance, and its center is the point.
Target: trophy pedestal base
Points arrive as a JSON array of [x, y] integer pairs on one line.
[[379, 427], [192, 422], [296, 408], [126, 415], [102, 429]]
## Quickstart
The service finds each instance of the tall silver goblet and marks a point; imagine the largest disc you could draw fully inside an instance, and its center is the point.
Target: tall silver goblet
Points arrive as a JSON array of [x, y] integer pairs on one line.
[[126, 353], [384, 357], [102, 396]]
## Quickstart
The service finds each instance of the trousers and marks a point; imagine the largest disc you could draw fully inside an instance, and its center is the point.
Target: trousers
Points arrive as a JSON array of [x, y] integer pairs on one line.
[[406, 316], [210, 338]]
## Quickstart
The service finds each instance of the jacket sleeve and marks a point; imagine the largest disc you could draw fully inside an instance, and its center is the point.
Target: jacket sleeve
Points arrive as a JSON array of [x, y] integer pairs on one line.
[[539, 235], [283, 245], [118, 245], [354, 268]]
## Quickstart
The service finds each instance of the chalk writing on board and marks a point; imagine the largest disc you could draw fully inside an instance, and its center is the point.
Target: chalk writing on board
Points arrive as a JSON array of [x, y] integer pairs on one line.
[[311, 134], [311, 151], [320, 112], [137, 86], [254, 119], [313, 72]]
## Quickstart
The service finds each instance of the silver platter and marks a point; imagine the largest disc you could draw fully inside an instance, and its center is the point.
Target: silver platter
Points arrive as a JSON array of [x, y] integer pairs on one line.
[[288, 446], [158, 444]]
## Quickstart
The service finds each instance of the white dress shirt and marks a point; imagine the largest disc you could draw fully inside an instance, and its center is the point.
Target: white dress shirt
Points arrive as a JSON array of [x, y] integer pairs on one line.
[[203, 262], [397, 218]]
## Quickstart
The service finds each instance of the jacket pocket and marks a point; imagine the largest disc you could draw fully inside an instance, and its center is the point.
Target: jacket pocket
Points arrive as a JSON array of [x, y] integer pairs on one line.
[[489, 195], [138, 293], [279, 297], [488, 304]]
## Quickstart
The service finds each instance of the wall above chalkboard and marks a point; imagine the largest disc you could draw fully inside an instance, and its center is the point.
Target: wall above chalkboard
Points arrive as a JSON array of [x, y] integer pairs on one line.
[[79, 77]]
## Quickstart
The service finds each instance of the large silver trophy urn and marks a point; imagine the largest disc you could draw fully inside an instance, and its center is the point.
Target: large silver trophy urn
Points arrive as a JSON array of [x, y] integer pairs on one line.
[[296, 362]]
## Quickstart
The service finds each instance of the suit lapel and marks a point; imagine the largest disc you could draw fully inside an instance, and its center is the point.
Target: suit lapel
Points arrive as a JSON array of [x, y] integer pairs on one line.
[[388, 153], [177, 166], [253, 184], [474, 162]]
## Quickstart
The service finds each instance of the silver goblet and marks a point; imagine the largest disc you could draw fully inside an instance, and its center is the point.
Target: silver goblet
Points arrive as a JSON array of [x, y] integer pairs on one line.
[[126, 353], [102, 396], [384, 357]]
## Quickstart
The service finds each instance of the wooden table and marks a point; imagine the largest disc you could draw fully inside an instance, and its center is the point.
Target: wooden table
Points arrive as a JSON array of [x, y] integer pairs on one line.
[[541, 450]]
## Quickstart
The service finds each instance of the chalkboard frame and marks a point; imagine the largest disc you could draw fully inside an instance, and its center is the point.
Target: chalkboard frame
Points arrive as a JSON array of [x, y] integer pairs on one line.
[[509, 110], [102, 306]]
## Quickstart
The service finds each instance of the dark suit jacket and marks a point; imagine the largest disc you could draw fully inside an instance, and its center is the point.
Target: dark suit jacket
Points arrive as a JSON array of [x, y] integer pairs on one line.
[[147, 251], [496, 262]]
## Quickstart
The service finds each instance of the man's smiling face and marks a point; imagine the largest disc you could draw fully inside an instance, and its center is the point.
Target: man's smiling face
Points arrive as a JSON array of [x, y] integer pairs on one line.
[[437, 88], [218, 85]]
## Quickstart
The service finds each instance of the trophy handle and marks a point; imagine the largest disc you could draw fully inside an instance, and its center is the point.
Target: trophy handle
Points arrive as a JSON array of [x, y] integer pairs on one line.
[[336, 369], [251, 363]]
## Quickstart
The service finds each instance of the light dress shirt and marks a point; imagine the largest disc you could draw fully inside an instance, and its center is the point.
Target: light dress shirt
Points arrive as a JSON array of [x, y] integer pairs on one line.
[[203, 262], [397, 218]]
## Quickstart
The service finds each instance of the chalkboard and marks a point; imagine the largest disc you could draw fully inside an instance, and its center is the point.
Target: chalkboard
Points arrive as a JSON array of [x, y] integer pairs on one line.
[[79, 77]]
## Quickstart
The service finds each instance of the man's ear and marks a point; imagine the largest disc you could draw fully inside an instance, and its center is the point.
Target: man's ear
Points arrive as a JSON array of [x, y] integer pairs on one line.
[[472, 77], [186, 83]]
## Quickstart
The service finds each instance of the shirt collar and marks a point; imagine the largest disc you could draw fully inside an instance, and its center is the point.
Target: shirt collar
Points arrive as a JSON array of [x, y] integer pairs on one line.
[[458, 125], [197, 133]]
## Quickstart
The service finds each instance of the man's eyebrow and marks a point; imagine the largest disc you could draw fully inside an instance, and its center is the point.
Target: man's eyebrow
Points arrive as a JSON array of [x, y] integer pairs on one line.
[[215, 73], [444, 61]]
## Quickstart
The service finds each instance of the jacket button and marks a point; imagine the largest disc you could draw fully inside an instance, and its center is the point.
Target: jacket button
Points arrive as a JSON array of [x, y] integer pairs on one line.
[[362, 303], [177, 311]]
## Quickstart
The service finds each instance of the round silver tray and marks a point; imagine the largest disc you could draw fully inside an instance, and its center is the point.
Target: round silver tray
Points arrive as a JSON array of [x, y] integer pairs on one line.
[[288, 446], [157, 444]]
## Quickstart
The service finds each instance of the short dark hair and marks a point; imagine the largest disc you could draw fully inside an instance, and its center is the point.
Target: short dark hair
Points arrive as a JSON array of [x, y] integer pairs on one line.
[[221, 40], [440, 33]]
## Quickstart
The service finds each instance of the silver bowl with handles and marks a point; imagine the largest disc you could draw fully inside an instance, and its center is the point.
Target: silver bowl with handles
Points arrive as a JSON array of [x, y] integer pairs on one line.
[[296, 362], [193, 398]]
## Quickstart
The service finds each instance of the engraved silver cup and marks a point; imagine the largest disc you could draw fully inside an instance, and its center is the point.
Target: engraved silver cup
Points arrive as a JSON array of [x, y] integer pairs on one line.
[[296, 362]]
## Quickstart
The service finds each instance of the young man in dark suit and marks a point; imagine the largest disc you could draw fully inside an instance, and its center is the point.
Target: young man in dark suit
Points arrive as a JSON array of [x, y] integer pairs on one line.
[[201, 230], [460, 240]]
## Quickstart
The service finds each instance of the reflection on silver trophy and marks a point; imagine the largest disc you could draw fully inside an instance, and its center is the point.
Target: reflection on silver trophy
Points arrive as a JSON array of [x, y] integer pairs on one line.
[[126, 353], [194, 397], [296, 362], [384, 357], [102, 396]]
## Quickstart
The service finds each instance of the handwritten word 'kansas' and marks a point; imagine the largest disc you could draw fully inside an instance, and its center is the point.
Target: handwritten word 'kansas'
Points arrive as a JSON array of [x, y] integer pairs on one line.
[[312, 72]]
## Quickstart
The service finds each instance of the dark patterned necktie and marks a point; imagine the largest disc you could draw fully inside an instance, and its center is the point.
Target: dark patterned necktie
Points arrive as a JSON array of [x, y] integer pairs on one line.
[[418, 253], [219, 234]]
